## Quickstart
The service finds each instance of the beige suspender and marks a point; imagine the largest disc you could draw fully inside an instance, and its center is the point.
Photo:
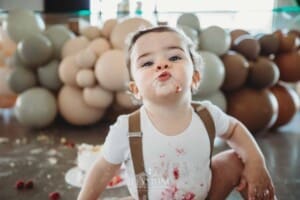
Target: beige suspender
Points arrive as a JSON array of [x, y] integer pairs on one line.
[[136, 146]]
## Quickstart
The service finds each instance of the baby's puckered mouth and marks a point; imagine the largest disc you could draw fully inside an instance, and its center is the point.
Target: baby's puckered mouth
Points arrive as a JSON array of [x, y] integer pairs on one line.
[[164, 76]]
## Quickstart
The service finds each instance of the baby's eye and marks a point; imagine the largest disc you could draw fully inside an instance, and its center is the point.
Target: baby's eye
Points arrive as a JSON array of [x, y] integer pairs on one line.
[[147, 64], [174, 58]]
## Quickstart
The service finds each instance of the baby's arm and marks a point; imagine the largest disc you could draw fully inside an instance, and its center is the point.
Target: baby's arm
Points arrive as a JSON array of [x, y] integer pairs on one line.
[[97, 179], [255, 175]]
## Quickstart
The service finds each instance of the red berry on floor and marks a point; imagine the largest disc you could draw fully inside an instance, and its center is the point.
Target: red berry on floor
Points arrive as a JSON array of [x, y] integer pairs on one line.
[[29, 184], [19, 184], [54, 196]]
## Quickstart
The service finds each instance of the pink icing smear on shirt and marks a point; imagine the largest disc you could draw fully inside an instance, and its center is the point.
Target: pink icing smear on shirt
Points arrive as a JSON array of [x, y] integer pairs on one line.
[[176, 173], [189, 196]]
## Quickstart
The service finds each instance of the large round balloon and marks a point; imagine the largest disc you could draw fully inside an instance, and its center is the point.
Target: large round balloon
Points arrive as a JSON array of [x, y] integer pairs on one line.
[[21, 24], [36, 108], [58, 35], [288, 102], [123, 29], [111, 70], [74, 109], [215, 39], [35, 50], [288, 64], [213, 73], [257, 109], [263, 73], [236, 70]]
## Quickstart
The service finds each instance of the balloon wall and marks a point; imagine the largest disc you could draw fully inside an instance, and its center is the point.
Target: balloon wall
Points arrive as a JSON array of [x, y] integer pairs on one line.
[[84, 77]]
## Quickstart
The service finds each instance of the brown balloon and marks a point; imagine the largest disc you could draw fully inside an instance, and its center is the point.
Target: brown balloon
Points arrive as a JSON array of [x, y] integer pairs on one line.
[[236, 33], [248, 46], [269, 44], [289, 66], [287, 41], [263, 73], [256, 109], [288, 102], [236, 71]]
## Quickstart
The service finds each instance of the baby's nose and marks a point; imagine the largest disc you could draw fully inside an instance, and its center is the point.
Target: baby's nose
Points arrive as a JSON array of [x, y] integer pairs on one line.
[[159, 67]]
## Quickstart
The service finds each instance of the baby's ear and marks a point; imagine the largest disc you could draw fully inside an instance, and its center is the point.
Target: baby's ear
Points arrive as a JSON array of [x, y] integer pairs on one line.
[[133, 89], [196, 80]]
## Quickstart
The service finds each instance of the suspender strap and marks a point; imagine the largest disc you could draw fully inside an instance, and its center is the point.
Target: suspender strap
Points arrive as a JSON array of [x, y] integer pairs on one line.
[[208, 123], [136, 149]]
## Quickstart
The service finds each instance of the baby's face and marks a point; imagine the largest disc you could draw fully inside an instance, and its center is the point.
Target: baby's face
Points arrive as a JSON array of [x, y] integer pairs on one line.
[[161, 66]]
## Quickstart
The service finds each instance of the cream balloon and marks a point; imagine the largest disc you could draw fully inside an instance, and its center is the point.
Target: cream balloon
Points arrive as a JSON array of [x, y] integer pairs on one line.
[[91, 32], [74, 45], [123, 29], [111, 70], [74, 109], [126, 100], [99, 46], [86, 58], [67, 70], [108, 26], [97, 97], [85, 78]]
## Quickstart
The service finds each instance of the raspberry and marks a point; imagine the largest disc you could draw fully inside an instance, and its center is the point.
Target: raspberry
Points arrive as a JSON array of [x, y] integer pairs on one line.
[[54, 196], [19, 184], [29, 184]]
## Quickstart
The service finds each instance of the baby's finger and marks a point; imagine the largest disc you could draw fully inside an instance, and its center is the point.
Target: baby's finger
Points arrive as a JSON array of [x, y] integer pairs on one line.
[[252, 192], [242, 185]]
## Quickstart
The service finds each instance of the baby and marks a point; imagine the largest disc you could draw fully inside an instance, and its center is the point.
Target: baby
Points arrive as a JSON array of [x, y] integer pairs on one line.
[[176, 148]]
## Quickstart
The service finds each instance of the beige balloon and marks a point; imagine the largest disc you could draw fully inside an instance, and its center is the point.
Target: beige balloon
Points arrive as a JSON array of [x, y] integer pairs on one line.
[[4, 87], [99, 46], [86, 58], [123, 29], [74, 109], [126, 100], [111, 70], [91, 32], [74, 45], [67, 70], [97, 97], [85, 78], [108, 26]]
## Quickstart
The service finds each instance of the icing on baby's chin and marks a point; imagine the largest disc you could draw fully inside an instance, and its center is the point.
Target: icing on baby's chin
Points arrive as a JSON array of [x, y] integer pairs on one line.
[[167, 87]]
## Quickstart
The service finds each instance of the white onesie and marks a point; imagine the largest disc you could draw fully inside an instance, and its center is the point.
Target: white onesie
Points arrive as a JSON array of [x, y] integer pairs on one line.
[[178, 167]]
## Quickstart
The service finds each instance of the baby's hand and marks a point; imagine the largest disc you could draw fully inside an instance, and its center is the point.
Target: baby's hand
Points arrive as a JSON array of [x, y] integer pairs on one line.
[[258, 182]]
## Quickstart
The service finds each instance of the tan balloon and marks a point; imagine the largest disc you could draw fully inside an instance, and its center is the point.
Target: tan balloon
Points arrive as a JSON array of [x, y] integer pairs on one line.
[[97, 97], [99, 46], [91, 32], [108, 27], [123, 29], [74, 109], [85, 78], [67, 70], [111, 70], [74, 45], [86, 58], [126, 100]]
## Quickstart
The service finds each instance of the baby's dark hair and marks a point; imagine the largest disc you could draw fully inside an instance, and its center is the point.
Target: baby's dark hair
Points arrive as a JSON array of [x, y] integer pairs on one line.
[[196, 59]]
